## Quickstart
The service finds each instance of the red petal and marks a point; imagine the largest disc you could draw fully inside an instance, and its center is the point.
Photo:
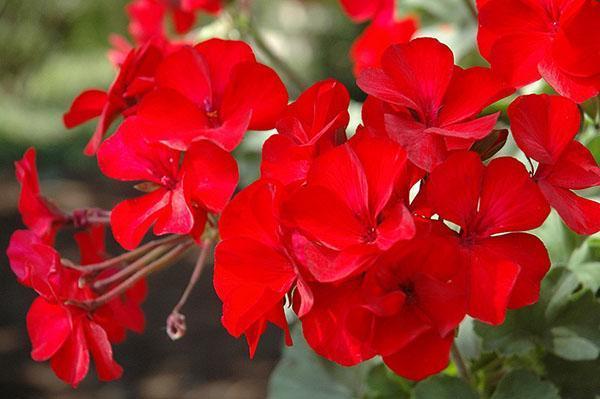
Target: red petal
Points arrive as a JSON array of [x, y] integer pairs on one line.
[[325, 326], [257, 88], [576, 88], [176, 217], [375, 82], [284, 161], [210, 175], [86, 106], [492, 281], [469, 92], [426, 355], [510, 200], [471, 130], [97, 340], [543, 125], [529, 253], [445, 303], [398, 224], [576, 169], [126, 155], [580, 214], [453, 188], [71, 363], [324, 216], [131, 219], [222, 56], [49, 325], [254, 213], [183, 21], [186, 71]]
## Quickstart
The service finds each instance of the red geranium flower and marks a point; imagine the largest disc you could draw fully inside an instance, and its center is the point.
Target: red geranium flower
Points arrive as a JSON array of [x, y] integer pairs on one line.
[[368, 48], [147, 16], [525, 40], [39, 214], [135, 79], [63, 333], [435, 103], [179, 194], [362, 10], [504, 269], [253, 269], [347, 212], [313, 124], [544, 127], [412, 299], [215, 90]]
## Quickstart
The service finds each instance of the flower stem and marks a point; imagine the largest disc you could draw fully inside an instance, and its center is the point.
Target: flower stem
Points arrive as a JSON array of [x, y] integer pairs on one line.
[[167, 259], [176, 321], [461, 366], [471, 7]]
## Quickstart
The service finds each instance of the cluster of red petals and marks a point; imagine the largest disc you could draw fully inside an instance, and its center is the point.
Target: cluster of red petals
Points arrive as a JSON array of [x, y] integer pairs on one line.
[[147, 17], [361, 10], [59, 331], [430, 106], [544, 127], [525, 40]]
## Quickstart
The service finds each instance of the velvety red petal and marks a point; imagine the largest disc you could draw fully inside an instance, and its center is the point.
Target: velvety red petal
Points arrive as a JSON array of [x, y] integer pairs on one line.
[[492, 279], [49, 325], [222, 56], [183, 21], [510, 200], [398, 224], [529, 253], [426, 355], [470, 130], [469, 92], [131, 219], [97, 340], [576, 169], [210, 175], [71, 363], [176, 217], [445, 303], [322, 215], [453, 188], [127, 155], [186, 71], [257, 88], [86, 106], [544, 125], [325, 326], [576, 88], [580, 214], [375, 82], [284, 161]]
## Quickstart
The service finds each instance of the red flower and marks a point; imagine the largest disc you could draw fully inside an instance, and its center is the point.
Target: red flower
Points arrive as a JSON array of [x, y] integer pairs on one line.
[[367, 50], [362, 10], [413, 298], [313, 124], [347, 213], [435, 103], [147, 16], [135, 79], [253, 270], [544, 127], [59, 332], [38, 213], [504, 269], [525, 40], [178, 195], [214, 91]]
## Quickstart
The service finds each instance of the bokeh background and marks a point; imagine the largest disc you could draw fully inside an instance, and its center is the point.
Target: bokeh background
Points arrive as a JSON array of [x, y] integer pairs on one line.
[[50, 50]]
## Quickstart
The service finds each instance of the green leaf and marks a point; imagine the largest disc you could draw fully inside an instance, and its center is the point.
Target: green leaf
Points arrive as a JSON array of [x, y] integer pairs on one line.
[[382, 383], [302, 374], [565, 321], [577, 380], [523, 384], [444, 387]]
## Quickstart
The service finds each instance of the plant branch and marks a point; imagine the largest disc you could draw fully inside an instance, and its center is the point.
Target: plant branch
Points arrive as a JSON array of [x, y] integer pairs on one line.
[[176, 321], [461, 366]]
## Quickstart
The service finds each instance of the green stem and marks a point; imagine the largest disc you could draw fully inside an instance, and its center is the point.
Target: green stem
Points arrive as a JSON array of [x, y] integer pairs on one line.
[[472, 10], [461, 366]]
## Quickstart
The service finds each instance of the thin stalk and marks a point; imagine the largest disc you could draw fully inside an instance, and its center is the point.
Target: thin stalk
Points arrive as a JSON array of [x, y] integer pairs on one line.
[[125, 257], [461, 366], [176, 321], [472, 10], [167, 259]]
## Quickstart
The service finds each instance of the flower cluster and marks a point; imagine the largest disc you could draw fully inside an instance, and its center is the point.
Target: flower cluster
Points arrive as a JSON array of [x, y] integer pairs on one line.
[[380, 241]]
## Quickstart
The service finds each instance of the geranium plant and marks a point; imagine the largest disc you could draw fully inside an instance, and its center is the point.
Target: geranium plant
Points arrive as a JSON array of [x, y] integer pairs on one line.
[[391, 247]]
